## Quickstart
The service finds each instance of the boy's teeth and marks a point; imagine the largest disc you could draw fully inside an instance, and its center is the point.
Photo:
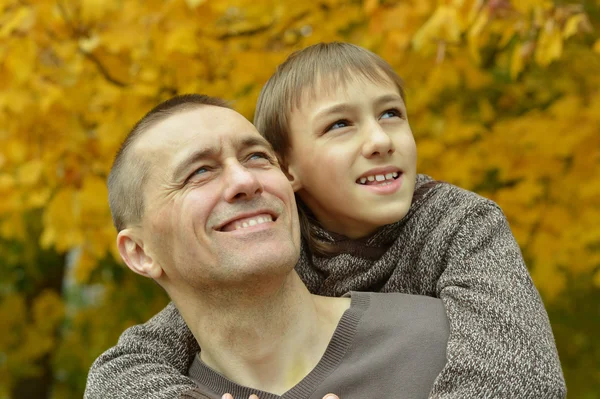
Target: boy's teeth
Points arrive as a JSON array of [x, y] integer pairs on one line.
[[380, 179]]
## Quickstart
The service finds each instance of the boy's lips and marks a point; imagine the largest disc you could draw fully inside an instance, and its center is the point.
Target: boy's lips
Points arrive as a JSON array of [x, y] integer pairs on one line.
[[379, 176]]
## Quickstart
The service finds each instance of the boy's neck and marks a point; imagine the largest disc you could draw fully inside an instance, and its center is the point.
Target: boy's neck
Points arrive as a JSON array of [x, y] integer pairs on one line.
[[269, 340]]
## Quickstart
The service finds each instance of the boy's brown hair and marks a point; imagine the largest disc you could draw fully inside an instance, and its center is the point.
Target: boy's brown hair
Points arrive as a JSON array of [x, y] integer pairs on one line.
[[328, 64]]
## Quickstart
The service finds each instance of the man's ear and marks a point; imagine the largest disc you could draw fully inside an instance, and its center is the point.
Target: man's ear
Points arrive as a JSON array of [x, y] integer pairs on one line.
[[131, 248]]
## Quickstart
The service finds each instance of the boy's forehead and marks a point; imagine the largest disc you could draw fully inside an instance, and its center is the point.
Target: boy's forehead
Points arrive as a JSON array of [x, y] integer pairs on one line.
[[335, 88]]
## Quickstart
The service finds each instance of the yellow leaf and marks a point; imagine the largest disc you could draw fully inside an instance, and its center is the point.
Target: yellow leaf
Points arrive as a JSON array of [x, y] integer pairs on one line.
[[475, 33], [7, 182], [517, 62], [597, 46], [486, 111], [183, 40], [572, 25], [597, 279], [94, 10], [89, 44], [194, 3], [370, 6], [443, 25], [22, 21], [48, 310], [549, 45], [30, 172]]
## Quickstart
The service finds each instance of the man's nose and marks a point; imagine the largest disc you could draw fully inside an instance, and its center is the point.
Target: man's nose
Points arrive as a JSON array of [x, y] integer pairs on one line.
[[241, 183], [377, 142]]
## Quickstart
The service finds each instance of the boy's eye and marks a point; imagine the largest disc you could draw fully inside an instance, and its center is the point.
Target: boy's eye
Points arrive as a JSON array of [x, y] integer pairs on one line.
[[391, 113], [338, 125]]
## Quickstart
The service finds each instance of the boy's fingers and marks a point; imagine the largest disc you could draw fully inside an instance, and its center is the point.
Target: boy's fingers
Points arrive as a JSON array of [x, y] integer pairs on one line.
[[227, 396], [330, 396], [253, 397]]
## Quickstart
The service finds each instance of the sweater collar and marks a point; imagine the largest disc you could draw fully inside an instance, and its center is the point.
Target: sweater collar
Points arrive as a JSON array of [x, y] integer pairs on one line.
[[376, 244]]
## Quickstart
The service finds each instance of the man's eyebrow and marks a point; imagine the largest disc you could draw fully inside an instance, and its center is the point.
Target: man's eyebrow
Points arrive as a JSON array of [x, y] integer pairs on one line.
[[254, 141], [212, 152], [191, 158]]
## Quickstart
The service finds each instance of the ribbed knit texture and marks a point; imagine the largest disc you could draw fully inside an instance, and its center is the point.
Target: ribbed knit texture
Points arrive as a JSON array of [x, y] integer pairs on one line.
[[454, 245], [340, 341]]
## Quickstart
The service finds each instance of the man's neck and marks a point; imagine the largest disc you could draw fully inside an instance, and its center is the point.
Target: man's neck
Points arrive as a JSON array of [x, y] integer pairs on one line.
[[267, 340]]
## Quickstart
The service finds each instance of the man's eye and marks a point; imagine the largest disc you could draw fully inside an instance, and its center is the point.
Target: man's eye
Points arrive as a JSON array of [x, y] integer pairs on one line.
[[259, 155], [391, 113], [200, 171]]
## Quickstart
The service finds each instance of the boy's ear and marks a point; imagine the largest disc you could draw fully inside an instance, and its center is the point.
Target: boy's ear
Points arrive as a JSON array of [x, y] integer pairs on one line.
[[292, 176], [131, 248]]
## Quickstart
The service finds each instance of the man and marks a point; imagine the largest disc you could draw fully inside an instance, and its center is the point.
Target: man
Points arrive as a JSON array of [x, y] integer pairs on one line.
[[203, 209]]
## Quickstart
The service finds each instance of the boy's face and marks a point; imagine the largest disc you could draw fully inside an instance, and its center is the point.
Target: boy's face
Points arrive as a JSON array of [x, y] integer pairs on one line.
[[353, 156]]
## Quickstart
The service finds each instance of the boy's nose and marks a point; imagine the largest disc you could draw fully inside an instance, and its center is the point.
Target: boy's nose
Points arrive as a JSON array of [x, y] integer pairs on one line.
[[377, 143], [241, 183]]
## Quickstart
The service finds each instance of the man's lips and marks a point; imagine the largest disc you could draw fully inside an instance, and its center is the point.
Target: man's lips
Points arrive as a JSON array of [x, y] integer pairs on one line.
[[247, 220], [379, 175]]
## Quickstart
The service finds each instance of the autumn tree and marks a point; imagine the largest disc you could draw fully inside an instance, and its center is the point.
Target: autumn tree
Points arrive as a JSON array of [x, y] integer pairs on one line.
[[503, 98]]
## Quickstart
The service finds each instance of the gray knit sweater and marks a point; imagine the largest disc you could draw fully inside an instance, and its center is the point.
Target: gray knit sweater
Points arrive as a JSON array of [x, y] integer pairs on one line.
[[452, 244]]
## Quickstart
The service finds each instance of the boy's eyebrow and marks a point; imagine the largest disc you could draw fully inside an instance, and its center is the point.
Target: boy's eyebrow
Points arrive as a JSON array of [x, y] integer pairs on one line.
[[388, 98], [343, 107]]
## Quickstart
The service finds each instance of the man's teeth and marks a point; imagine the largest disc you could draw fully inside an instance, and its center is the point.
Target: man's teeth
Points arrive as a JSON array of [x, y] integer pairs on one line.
[[379, 178], [253, 221]]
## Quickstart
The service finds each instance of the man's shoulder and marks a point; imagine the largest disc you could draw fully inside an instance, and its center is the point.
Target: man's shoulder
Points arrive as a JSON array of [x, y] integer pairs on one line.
[[401, 306]]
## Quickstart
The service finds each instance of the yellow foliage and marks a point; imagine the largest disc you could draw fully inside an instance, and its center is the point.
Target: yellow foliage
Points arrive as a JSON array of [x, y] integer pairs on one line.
[[503, 97]]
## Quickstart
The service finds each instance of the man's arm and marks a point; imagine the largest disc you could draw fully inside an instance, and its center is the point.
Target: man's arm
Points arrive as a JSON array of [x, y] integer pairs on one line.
[[501, 343], [150, 360]]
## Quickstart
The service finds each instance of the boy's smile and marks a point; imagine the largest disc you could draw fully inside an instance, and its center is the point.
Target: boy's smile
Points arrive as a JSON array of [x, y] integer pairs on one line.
[[353, 157]]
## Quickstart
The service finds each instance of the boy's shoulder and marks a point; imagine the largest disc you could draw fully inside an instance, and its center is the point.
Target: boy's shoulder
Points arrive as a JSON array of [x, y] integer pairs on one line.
[[445, 198]]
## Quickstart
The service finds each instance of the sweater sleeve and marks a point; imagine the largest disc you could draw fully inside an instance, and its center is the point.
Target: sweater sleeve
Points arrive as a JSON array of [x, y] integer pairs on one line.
[[150, 360], [501, 343]]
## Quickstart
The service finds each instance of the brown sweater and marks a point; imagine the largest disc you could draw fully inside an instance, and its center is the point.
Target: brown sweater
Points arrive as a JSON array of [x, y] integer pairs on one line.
[[454, 245], [385, 346]]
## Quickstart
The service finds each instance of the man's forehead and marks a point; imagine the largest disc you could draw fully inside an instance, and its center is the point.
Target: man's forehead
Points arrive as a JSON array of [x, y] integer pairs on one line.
[[199, 127], [199, 133]]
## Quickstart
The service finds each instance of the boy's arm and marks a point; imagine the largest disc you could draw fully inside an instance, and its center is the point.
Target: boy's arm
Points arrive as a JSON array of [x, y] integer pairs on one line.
[[150, 360], [501, 343]]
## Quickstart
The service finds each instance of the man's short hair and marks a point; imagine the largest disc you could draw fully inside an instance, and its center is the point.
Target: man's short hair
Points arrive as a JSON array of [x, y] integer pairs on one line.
[[129, 171]]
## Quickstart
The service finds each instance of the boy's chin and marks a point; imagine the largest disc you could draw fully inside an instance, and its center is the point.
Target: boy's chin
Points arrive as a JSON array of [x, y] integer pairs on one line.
[[388, 215]]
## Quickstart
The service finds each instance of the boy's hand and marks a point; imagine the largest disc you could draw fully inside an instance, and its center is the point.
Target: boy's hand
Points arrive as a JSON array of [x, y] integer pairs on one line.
[[328, 396]]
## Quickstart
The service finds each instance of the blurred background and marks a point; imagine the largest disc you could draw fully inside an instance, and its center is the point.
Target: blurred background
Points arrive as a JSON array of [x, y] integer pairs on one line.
[[503, 99]]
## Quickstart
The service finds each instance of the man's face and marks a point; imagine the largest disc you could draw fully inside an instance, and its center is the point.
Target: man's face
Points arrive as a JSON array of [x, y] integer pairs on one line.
[[218, 210]]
